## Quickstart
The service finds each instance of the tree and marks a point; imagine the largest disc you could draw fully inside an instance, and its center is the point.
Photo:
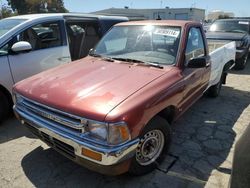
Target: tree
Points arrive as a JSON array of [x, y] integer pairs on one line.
[[56, 6], [5, 11], [37, 6], [223, 16], [18, 5]]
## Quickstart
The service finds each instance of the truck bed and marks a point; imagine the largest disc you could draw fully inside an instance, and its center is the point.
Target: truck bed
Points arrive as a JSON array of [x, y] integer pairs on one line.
[[215, 44], [221, 53]]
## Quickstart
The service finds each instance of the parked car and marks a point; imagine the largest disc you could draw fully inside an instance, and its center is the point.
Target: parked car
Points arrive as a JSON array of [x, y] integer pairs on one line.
[[206, 26], [30, 44], [112, 110], [237, 30], [240, 177]]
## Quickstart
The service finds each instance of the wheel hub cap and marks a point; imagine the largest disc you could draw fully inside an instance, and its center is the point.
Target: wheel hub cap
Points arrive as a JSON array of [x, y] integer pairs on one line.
[[150, 147]]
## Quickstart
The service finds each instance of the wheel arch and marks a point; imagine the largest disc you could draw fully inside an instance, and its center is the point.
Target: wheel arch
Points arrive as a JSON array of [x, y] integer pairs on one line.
[[168, 113], [6, 93], [225, 70]]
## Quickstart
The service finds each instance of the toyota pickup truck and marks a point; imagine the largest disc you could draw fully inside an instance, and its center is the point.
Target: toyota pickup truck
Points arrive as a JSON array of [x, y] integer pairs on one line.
[[112, 111], [30, 44]]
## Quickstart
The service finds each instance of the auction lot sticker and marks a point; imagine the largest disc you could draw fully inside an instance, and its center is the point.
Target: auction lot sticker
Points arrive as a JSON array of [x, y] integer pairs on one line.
[[167, 32]]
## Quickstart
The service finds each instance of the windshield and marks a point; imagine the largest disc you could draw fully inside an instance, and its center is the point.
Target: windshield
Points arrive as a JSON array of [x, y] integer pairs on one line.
[[8, 24], [230, 26], [152, 44]]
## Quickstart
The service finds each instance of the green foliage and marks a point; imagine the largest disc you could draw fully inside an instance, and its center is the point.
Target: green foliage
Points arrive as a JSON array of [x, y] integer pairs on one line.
[[223, 17], [6, 11], [37, 6]]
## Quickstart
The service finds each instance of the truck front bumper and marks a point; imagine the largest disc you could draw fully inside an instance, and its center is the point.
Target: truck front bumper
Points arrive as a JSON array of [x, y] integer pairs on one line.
[[114, 159]]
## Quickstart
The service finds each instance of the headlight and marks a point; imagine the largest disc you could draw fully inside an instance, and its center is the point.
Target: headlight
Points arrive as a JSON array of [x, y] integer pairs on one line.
[[98, 130], [111, 133]]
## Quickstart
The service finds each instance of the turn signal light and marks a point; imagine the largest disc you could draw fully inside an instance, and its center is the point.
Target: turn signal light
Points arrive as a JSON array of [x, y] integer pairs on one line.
[[91, 154]]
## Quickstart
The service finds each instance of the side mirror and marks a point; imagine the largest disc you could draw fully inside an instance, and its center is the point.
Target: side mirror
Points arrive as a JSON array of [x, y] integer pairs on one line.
[[91, 51], [21, 46], [199, 62]]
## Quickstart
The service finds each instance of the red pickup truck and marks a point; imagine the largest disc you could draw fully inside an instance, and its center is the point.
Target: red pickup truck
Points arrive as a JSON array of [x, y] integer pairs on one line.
[[112, 111]]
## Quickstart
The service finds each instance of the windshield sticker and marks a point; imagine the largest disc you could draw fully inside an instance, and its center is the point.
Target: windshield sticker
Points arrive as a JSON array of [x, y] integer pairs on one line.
[[167, 32], [245, 23]]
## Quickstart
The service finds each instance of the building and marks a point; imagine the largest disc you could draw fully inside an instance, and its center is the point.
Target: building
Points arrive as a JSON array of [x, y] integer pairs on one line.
[[165, 13], [215, 14]]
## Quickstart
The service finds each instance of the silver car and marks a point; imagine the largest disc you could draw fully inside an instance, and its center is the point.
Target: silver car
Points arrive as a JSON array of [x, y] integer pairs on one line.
[[30, 44]]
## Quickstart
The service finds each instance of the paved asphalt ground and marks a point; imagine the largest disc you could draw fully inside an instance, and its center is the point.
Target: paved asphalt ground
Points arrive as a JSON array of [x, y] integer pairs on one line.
[[200, 155]]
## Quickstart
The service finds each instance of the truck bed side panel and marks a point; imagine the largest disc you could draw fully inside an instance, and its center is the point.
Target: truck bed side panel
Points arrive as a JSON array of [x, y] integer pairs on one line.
[[219, 57]]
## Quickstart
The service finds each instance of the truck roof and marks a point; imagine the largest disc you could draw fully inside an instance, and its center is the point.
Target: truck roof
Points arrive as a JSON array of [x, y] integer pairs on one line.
[[180, 23], [61, 15]]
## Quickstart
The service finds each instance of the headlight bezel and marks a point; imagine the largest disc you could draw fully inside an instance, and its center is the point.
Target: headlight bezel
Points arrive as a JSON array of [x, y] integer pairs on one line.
[[17, 99]]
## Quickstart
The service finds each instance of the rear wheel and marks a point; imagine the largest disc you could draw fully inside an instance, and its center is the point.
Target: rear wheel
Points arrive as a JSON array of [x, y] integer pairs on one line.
[[214, 90], [4, 106], [241, 63], [154, 143]]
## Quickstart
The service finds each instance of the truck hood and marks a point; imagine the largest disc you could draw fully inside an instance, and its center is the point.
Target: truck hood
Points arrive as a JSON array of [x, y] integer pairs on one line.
[[89, 87], [226, 36]]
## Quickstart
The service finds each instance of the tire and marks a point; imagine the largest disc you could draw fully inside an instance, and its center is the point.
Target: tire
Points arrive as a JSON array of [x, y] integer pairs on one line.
[[4, 106], [241, 63], [214, 90], [156, 127]]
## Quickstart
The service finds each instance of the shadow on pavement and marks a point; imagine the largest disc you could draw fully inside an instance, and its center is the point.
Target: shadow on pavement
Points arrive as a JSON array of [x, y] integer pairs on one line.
[[47, 168], [12, 129], [204, 136], [202, 140], [246, 71]]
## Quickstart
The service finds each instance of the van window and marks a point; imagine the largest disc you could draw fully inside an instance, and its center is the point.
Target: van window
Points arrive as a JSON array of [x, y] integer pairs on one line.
[[41, 36], [8, 24]]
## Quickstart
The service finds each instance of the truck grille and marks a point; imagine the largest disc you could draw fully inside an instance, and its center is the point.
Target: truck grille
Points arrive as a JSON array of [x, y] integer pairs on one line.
[[52, 117], [62, 147]]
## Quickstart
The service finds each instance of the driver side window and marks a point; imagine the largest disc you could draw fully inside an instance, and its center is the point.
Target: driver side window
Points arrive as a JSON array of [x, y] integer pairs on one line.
[[41, 36], [117, 43], [195, 45]]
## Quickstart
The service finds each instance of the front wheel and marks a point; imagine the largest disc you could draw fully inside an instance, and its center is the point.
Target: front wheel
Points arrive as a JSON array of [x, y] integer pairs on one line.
[[154, 143], [4, 106]]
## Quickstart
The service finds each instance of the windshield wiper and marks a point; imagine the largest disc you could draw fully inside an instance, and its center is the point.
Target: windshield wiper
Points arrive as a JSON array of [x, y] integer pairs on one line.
[[95, 55], [102, 57], [152, 64]]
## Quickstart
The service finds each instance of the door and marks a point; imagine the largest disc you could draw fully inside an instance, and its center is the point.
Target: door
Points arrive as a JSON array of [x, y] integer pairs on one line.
[[194, 77], [82, 36], [49, 50], [5, 74]]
